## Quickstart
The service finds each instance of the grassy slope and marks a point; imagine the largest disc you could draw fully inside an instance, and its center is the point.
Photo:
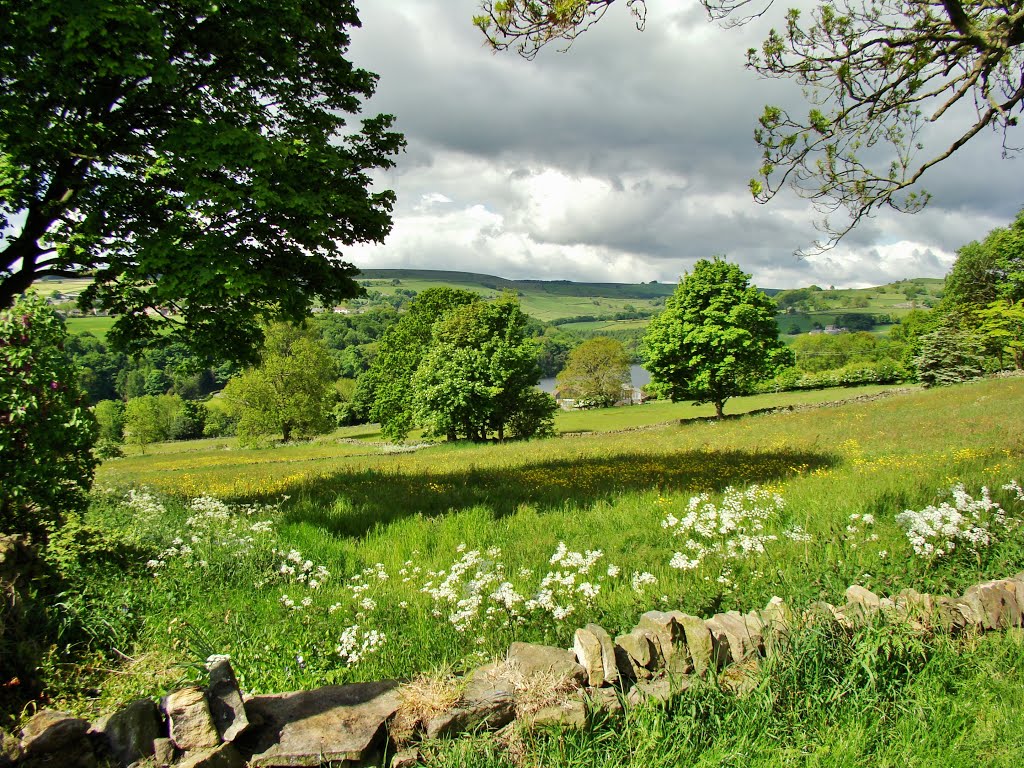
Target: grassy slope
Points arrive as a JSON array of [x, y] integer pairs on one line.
[[350, 507], [552, 300]]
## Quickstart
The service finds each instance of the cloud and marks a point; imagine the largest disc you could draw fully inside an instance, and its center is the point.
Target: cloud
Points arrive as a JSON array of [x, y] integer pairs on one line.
[[625, 159]]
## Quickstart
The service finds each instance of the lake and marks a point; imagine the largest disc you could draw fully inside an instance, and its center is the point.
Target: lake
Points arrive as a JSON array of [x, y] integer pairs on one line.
[[638, 375]]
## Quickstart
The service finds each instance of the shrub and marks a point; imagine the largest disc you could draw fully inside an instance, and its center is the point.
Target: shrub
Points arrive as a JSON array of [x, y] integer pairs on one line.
[[48, 431]]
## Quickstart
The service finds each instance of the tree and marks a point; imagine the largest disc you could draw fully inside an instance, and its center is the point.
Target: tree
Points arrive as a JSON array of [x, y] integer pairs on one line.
[[949, 355], [290, 393], [716, 337], [151, 419], [990, 270], [46, 427], [1002, 323], [192, 161], [479, 374], [110, 420], [595, 372], [385, 391], [874, 73]]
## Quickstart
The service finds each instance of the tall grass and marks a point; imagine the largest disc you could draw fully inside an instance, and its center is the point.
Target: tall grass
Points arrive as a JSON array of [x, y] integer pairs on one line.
[[391, 528]]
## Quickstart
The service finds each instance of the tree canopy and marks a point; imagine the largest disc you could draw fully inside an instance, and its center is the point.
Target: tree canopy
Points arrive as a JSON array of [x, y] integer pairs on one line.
[[716, 337], [874, 74], [478, 375], [191, 159], [595, 372], [290, 393], [46, 428], [385, 390]]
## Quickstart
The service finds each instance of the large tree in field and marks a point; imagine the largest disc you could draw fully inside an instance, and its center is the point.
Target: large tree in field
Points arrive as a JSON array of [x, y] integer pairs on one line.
[[291, 392], [385, 390], [716, 337], [595, 372], [874, 75], [478, 377], [192, 158]]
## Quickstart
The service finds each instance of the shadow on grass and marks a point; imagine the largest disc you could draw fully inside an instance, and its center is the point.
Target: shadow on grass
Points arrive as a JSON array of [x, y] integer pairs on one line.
[[373, 497]]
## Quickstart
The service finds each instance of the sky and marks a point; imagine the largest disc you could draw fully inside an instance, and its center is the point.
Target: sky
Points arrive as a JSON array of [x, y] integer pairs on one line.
[[625, 159]]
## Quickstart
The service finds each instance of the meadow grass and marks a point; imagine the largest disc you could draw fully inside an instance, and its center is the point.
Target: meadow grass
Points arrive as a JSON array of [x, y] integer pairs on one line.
[[97, 326], [341, 562]]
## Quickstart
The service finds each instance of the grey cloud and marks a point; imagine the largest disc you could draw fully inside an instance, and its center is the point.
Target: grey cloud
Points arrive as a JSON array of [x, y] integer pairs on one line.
[[664, 117]]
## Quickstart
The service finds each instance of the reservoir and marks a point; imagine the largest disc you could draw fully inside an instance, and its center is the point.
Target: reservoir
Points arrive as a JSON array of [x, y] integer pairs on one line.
[[638, 374]]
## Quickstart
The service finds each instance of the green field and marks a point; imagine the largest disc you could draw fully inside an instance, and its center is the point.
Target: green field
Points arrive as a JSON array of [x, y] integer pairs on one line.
[[97, 326], [349, 503], [556, 300]]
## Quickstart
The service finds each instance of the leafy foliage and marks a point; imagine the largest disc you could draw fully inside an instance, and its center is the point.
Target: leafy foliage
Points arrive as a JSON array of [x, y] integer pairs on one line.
[[166, 151], [478, 374], [385, 391], [874, 75], [595, 372], [291, 392], [47, 428], [716, 338], [949, 355]]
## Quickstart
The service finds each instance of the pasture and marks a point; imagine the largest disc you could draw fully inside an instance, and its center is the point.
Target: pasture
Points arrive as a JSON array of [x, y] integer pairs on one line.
[[346, 559]]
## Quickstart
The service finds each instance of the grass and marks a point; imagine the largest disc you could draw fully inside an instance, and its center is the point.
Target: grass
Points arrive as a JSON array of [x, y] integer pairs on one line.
[[418, 544], [97, 326]]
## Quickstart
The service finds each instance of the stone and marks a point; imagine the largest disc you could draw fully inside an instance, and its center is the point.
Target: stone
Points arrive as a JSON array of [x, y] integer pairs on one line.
[[590, 656], [637, 644], [490, 681], [10, 749], [604, 700], [51, 731], [861, 604], [225, 699], [307, 728], [190, 723], [629, 670], [128, 734], [570, 714], [996, 604], [488, 703], [755, 627], [666, 626], [611, 667], [699, 644], [222, 756], [730, 638], [163, 751], [820, 612], [949, 615], [777, 618], [661, 690], [537, 660], [406, 758]]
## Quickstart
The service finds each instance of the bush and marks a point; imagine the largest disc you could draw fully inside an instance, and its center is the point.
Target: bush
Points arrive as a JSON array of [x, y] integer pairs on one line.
[[949, 355], [219, 423], [110, 419], [48, 431], [852, 375]]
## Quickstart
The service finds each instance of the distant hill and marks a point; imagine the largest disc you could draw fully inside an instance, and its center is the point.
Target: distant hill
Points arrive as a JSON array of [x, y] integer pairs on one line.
[[552, 287], [621, 307]]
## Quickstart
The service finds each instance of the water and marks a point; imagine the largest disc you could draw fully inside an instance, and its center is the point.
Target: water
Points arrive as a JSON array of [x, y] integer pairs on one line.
[[637, 373]]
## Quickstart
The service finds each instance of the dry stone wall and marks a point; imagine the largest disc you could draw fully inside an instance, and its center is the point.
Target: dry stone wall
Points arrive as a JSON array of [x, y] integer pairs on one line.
[[220, 727]]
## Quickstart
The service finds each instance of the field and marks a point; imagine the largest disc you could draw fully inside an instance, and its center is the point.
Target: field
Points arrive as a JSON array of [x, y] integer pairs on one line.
[[558, 300], [347, 559], [97, 326]]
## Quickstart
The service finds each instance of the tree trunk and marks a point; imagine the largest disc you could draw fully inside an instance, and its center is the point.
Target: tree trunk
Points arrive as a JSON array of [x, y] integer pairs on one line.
[[286, 432], [719, 413]]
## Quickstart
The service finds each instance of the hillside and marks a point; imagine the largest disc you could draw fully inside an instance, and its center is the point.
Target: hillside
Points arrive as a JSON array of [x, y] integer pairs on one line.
[[607, 307]]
